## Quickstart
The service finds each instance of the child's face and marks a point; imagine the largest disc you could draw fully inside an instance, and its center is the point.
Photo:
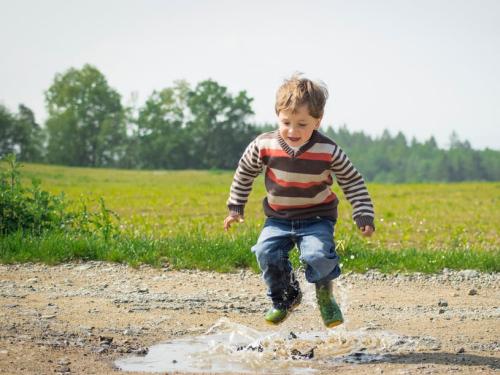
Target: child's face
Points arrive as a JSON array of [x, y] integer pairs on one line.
[[296, 127]]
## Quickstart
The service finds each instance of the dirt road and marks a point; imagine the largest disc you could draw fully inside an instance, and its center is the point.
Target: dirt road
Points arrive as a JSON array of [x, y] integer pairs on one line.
[[79, 318]]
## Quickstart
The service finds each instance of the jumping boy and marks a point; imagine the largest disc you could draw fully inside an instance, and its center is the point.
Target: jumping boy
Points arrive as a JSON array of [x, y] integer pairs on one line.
[[301, 209]]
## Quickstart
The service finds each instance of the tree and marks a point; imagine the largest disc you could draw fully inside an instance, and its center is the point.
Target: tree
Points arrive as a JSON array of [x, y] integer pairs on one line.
[[392, 159], [7, 127], [86, 124], [20, 134], [161, 138], [29, 136], [218, 129]]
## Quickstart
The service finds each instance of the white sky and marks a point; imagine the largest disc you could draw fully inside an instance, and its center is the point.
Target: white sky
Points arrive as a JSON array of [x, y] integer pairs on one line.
[[425, 67]]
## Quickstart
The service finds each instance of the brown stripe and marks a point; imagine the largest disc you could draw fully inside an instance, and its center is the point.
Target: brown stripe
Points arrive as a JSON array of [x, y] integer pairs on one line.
[[324, 210], [297, 165], [278, 190]]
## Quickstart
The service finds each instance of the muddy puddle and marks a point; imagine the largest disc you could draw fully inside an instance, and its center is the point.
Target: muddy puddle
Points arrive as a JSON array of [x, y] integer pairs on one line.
[[232, 347]]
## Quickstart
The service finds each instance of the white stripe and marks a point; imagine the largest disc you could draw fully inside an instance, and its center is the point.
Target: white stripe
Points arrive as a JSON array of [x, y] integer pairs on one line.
[[240, 186], [346, 187], [343, 170], [337, 155], [234, 197], [243, 179], [271, 143], [364, 195], [349, 177], [342, 164], [300, 177], [369, 214], [298, 201], [322, 148]]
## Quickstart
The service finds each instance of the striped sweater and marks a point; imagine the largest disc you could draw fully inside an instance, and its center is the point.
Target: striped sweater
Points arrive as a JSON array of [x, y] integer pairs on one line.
[[299, 183]]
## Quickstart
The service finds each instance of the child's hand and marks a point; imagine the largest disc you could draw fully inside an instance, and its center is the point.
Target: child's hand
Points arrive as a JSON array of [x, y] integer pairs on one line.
[[232, 219], [367, 230]]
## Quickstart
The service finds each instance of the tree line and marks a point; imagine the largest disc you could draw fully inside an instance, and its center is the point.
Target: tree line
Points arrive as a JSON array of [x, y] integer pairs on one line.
[[202, 127]]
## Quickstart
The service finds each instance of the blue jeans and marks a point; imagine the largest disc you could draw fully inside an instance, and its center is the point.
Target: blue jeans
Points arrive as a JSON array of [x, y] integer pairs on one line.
[[313, 237]]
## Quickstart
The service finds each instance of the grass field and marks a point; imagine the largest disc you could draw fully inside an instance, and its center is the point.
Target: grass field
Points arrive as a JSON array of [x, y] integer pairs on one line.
[[431, 225]]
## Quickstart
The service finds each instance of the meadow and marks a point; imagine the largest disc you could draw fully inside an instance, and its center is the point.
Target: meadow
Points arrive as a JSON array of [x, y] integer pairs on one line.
[[176, 218]]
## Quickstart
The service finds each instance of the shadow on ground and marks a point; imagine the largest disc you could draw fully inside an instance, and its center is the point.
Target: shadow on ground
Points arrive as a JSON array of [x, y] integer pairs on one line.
[[436, 358]]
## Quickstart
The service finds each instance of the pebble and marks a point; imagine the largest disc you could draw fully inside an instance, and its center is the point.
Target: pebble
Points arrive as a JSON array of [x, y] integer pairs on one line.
[[84, 267], [442, 303], [469, 274], [472, 292], [63, 370], [140, 351], [64, 362]]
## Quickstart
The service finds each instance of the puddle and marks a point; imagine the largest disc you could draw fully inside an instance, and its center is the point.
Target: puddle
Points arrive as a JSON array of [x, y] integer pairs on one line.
[[231, 347]]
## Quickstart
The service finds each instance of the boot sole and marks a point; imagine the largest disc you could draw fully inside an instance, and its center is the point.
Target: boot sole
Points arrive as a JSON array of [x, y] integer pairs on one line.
[[334, 324]]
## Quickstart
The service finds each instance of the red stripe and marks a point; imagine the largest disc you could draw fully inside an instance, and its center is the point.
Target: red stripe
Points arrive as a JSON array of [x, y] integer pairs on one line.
[[315, 156], [271, 152], [305, 156], [278, 207], [303, 185]]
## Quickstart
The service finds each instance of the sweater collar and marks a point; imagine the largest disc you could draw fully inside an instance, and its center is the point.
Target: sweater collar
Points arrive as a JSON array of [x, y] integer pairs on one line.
[[306, 146]]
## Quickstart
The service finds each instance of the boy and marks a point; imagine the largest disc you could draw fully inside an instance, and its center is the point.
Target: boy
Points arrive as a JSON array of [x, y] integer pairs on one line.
[[301, 209]]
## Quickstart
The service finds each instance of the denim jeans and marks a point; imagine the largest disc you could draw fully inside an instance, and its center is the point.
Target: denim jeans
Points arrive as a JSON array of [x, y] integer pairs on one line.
[[314, 239]]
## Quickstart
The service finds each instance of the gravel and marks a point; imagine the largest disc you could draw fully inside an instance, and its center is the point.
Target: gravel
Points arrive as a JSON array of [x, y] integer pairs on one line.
[[148, 299]]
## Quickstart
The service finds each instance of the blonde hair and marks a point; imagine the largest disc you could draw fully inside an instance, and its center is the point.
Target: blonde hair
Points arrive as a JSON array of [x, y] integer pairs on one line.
[[297, 91]]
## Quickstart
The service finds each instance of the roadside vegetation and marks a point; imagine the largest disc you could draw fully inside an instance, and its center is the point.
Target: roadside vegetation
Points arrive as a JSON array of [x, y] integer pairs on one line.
[[174, 219]]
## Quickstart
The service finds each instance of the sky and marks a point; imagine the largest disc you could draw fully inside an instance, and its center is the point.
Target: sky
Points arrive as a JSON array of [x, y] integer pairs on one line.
[[424, 67]]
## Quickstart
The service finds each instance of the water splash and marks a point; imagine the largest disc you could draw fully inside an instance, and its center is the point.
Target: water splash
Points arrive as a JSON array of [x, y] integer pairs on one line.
[[233, 347], [293, 347]]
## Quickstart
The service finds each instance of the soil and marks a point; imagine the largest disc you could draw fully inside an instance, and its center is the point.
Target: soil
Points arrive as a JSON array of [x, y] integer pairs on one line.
[[78, 318]]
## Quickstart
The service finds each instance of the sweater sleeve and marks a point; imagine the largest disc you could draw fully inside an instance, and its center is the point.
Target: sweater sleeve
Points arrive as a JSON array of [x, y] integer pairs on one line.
[[249, 167], [352, 184]]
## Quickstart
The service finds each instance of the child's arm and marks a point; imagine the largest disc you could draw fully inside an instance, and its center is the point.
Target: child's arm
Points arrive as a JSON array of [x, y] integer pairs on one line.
[[352, 184], [249, 167]]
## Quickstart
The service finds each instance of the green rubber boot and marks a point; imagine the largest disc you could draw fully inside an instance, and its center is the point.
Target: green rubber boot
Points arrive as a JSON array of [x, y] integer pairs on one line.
[[279, 313], [276, 315], [330, 311]]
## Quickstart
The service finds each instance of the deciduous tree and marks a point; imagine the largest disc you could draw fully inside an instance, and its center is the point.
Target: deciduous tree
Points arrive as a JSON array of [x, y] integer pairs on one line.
[[86, 119]]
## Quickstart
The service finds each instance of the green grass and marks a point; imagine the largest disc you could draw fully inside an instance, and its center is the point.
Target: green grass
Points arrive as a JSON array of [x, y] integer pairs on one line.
[[177, 217], [224, 254]]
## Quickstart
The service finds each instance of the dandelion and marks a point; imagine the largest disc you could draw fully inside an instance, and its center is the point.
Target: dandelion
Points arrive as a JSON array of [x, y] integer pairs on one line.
[[352, 257]]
